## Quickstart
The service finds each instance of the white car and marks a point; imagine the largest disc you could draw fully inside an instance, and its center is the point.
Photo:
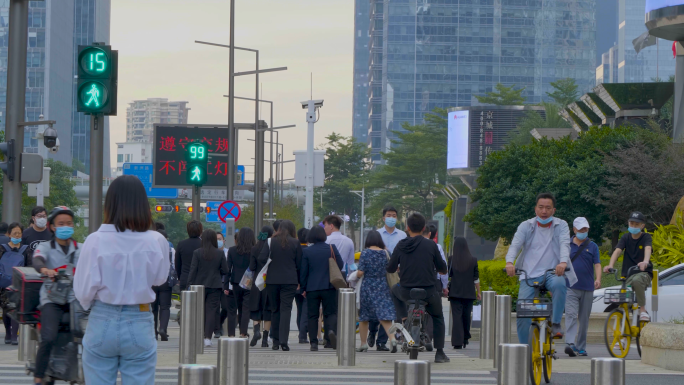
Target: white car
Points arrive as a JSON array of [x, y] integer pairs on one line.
[[670, 296]]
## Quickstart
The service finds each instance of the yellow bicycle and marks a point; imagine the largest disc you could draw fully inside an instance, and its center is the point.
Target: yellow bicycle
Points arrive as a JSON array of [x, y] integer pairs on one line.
[[623, 323]]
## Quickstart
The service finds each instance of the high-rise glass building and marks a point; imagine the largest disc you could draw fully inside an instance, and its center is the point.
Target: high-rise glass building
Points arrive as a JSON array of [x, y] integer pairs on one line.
[[361, 55], [426, 54], [56, 28]]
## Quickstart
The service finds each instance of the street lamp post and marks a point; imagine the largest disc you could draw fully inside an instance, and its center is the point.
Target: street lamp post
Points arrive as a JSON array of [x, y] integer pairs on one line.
[[362, 194]]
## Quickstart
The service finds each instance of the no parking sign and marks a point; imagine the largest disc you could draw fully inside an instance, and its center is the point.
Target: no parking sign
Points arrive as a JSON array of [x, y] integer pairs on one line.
[[229, 210]]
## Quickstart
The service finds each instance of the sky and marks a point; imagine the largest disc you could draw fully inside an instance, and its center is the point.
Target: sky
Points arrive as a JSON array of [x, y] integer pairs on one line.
[[159, 59]]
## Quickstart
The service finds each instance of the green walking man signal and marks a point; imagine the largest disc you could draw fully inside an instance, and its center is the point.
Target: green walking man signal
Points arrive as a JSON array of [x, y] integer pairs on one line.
[[96, 92], [196, 157]]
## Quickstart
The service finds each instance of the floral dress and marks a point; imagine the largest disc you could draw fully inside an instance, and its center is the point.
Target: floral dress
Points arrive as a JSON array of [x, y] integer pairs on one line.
[[376, 302]]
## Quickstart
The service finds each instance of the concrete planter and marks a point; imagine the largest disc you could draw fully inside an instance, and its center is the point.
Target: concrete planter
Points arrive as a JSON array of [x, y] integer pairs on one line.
[[662, 345]]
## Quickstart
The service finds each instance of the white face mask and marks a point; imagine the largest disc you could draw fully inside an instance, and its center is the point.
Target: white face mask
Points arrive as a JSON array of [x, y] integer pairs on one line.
[[41, 222]]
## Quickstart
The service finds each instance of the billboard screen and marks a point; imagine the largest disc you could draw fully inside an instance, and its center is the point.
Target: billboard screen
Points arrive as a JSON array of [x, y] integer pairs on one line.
[[458, 144], [657, 4]]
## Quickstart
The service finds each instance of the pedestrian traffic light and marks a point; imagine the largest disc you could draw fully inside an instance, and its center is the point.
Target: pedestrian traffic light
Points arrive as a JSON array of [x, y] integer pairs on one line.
[[163, 208], [97, 79], [7, 149], [196, 156]]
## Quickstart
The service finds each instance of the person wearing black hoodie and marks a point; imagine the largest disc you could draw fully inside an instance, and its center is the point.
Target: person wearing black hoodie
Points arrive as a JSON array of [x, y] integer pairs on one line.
[[420, 260]]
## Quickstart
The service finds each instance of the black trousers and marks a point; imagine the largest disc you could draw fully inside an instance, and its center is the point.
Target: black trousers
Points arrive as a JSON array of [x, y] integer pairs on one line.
[[50, 316], [433, 307], [280, 298], [375, 328], [212, 301], [161, 307], [316, 298], [299, 300], [223, 314], [461, 310], [11, 327], [238, 309]]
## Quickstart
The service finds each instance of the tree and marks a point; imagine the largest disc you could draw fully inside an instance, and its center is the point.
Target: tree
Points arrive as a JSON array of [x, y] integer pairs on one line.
[[574, 171], [521, 135], [346, 169], [507, 96], [565, 92], [414, 165], [285, 209], [78, 165]]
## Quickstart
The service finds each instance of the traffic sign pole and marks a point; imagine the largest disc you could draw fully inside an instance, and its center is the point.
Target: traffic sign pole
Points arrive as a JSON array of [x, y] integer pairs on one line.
[[95, 182], [196, 195]]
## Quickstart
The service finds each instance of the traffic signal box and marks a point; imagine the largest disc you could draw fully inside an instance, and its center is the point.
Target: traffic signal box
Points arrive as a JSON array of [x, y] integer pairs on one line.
[[196, 156], [97, 79]]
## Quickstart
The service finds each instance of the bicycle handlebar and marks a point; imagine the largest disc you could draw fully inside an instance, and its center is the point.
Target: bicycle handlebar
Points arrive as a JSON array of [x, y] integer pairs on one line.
[[622, 279], [526, 279]]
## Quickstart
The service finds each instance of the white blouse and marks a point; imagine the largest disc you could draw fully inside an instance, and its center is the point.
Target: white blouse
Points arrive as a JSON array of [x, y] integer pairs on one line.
[[120, 268]]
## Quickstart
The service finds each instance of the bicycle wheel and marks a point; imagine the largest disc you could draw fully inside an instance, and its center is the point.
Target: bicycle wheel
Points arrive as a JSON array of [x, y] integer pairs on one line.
[[547, 360], [536, 364], [617, 344], [638, 337]]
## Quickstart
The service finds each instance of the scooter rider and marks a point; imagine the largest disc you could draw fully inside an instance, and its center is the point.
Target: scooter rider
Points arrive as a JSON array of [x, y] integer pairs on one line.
[[60, 251]]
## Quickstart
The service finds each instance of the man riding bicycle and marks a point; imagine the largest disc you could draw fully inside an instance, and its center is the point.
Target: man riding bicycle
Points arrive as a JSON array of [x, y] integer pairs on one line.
[[545, 244], [420, 260]]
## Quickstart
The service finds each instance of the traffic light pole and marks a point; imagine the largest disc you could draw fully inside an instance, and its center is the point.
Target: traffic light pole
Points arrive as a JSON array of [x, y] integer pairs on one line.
[[95, 182], [16, 98], [259, 161], [196, 197]]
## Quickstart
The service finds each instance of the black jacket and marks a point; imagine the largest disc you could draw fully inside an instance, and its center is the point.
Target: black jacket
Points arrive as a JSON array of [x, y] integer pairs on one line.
[[420, 262], [184, 258], [258, 300], [315, 273], [237, 265], [462, 284], [285, 261], [208, 272]]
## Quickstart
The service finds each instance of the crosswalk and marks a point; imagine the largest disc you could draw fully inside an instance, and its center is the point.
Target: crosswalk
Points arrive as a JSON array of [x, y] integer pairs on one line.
[[15, 374]]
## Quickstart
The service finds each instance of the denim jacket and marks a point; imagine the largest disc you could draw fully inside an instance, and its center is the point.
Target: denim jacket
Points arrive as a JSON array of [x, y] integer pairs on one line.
[[561, 240]]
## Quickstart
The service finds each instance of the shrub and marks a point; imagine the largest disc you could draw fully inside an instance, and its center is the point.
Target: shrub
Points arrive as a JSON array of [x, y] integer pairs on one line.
[[492, 277], [668, 244]]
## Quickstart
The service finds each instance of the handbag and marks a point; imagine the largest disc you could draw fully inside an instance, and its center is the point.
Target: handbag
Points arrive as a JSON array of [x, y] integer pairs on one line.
[[247, 278], [392, 278], [336, 278], [260, 280], [172, 280]]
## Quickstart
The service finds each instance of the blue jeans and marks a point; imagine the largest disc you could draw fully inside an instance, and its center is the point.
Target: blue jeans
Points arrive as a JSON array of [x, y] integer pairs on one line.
[[554, 284], [119, 339]]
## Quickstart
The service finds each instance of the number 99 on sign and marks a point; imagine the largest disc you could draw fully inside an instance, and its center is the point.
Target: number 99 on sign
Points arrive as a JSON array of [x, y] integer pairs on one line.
[[196, 152]]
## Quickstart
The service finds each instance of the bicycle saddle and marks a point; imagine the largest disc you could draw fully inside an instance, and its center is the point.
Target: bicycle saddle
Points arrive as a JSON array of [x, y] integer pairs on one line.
[[418, 294]]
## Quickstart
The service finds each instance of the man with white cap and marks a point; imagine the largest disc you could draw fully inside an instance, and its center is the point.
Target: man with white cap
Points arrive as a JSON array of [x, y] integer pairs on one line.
[[586, 262]]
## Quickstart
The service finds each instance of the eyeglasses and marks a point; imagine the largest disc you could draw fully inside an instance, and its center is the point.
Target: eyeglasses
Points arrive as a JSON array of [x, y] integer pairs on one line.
[[41, 216]]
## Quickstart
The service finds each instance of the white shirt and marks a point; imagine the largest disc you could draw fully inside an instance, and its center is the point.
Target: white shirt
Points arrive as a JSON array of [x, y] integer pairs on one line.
[[121, 268], [391, 239], [344, 245], [444, 278], [542, 255]]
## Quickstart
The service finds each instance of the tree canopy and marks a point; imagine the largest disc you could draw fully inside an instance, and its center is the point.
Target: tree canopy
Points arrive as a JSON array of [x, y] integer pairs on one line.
[[565, 92], [506, 96], [533, 119]]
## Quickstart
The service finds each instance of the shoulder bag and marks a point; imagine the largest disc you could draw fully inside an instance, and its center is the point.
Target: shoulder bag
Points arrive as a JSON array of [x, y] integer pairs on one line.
[[260, 280], [336, 278], [392, 278]]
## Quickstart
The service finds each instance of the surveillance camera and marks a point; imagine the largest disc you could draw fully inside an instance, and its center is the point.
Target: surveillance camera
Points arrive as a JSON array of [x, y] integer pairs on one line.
[[55, 147], [50, 137], [317, 104]]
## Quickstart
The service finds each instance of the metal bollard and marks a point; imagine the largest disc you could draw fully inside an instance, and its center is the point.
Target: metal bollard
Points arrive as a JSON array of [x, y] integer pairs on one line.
[[27, 344], [199, 309], [411, 372], [193, 374], [188, 326], [339, 308], [502, 334], [233, 361], [487, 328], [514, 365], [346, 330], [607, 371]]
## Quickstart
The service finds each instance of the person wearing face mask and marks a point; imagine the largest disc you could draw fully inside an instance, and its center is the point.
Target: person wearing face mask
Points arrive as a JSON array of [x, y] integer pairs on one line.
[[12, 254], [37, 232], [545, 244], [586, 263], [60, 251], [638, 247]]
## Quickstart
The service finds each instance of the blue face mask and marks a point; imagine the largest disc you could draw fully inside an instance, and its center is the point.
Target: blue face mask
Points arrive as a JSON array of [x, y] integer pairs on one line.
[[220, 244], [390, 222], [16, 240], [64, 232], [634, 230], [544, 221], [581, 236]]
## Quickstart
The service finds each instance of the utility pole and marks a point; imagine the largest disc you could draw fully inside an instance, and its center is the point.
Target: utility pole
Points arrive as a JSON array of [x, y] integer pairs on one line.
[[95, 181], [311, 106], [362, 194], [16, 99], [259, 161], [232, 142]]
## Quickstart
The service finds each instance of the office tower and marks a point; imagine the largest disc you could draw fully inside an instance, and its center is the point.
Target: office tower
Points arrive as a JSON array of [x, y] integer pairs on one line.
[[426, 54], [141, 115], [361, 55], [607, 71]]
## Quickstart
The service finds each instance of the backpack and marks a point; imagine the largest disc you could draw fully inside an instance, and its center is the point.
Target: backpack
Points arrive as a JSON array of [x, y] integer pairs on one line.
[[9, 260]]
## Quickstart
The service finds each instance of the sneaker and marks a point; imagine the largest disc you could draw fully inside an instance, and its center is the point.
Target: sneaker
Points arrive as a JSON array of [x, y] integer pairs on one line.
[[321, 341], [382, 348], [571, 350], [207, 343], [582, 353], [556, 331], [440, 357], [333, 339], [644, 317]]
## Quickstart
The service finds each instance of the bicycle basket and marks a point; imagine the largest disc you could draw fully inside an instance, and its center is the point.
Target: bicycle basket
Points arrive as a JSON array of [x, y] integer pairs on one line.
[[617, 296], [534, 308]]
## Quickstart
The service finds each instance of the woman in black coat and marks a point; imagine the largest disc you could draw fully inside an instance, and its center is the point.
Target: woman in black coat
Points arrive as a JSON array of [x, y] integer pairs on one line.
[[185, 250], [316, 287], [464, 288], [258, 300], [238, 262], [282, 280], [208, 265]]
